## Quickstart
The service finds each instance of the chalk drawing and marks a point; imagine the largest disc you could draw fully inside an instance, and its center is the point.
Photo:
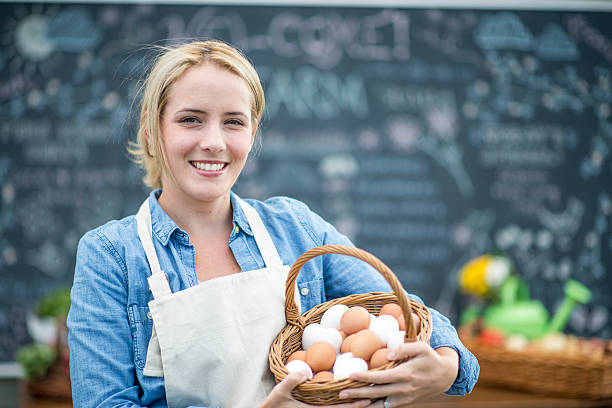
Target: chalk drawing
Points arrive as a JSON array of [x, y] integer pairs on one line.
[[31, 37], [503, 30], [73, 30], [554, 44]]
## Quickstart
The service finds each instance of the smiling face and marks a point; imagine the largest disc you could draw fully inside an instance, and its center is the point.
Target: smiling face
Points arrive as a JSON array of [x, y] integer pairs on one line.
[[207, 133]]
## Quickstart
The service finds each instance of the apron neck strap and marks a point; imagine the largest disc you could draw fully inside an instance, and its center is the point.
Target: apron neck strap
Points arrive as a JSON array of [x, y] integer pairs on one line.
[[267, 248], [158, 281]]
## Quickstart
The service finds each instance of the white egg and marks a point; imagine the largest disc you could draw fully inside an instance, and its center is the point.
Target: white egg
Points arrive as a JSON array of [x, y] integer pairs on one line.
[[344, 367], [344, 355], [311, 334], [295, 366], [384, 326], [331, 317], [380, 331], [389, 322], [372, 318], [396, 339], [331, 336]]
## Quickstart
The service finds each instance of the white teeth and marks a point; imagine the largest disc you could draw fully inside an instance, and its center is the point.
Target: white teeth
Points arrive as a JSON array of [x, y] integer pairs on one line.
[[208, 166]]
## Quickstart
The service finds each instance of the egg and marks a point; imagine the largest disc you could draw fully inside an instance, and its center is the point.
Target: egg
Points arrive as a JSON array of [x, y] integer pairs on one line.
[[379, 358], [320, 356], [383, 326], [323, 376], [392, 309], [365, 343], [344, 355], [401, 322], [331, 317], [396, 339], [296, 366], [331, 336], [346, 344], [355, 319], [297, 355], [348, 365], [311, 334]]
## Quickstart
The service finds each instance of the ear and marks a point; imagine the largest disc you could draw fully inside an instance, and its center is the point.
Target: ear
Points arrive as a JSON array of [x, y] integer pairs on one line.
[[150, 150], [253, 133]]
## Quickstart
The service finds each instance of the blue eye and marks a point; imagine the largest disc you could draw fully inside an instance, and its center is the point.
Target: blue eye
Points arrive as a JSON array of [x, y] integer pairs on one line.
[[235, 122], [189, 119]]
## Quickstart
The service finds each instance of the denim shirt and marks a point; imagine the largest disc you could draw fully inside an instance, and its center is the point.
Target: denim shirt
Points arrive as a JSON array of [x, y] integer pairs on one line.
[[109, 321]]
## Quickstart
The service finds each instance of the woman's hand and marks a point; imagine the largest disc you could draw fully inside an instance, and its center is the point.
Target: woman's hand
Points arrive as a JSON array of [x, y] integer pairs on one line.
[[427, 372], [280, 396]]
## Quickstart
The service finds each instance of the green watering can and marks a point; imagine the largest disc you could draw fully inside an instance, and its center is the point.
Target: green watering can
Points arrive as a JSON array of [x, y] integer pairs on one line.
[[515, 313]]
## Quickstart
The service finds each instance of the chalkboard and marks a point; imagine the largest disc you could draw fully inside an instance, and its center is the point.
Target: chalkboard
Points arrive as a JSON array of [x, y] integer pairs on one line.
[[427, 136]]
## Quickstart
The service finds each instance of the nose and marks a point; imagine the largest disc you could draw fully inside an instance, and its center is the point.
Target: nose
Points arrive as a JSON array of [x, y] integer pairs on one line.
[[212, 139]]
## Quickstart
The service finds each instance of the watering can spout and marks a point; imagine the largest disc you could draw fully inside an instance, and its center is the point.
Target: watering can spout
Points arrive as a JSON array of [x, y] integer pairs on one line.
[[575, 292]]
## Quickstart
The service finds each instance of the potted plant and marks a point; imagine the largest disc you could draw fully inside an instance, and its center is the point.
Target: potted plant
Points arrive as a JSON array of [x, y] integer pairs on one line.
[[45, 362]]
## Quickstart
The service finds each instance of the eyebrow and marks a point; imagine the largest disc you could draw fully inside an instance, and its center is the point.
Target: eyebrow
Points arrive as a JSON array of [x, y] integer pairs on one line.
[[193, 110]]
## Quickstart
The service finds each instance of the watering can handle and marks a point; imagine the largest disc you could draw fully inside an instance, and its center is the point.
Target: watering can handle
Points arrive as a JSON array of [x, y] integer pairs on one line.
[[575, 293], [508, 290]]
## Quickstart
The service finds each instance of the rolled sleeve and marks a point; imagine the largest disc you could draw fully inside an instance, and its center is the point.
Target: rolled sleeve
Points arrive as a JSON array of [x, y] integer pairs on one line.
[[443, 334]]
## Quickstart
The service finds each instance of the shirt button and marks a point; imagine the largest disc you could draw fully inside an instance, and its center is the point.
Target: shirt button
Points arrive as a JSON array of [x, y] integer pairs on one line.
[[304, 291], [237, 229], [149, 315]]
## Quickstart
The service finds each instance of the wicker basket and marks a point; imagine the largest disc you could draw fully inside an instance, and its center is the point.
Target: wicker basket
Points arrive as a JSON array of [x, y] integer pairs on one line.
[[290, 338], [543, 373], [54, 385]]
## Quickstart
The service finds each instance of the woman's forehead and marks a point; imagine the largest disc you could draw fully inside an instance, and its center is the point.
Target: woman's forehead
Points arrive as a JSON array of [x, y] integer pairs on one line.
[[209, 83]]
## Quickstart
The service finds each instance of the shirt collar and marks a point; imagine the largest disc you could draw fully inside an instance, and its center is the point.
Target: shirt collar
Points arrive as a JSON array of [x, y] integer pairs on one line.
[[239, 218], [163, 226]]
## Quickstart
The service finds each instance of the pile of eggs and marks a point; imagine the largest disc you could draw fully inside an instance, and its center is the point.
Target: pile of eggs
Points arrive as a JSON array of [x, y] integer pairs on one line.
[[348, 340]]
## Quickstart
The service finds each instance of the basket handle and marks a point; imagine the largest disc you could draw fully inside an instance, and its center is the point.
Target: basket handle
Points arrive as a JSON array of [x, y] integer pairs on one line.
[[292, 314]]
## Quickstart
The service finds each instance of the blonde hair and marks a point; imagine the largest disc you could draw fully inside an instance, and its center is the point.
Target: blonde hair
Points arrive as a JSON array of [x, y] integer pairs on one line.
[[167, 69]]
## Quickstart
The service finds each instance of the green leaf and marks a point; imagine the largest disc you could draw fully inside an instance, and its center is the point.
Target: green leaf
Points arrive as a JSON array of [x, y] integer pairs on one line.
[[35, 360], [56, 304]]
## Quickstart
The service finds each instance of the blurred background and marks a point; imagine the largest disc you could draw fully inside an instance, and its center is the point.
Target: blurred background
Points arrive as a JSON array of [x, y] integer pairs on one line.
[[428, 135]]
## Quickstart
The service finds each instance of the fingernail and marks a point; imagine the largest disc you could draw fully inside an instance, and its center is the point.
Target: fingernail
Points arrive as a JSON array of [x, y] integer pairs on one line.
[[391, 356], [343, 394]]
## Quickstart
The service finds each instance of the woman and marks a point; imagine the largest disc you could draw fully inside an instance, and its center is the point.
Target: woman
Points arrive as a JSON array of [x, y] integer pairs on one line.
[[179, 304]]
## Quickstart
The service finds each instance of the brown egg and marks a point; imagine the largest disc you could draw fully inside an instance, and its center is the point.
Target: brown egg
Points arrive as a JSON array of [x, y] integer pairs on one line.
[[379, 358], [355, 319], [321, 356], [402, 322], [343, 334], [392, 309], [323, 376], [345, 347], [297, 355], [365, 343]]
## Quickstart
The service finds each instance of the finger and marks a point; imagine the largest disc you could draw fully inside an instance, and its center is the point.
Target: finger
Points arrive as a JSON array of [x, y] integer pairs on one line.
[[416, 321], [389, 376], [377, 391], [290, 382], [408, 350]]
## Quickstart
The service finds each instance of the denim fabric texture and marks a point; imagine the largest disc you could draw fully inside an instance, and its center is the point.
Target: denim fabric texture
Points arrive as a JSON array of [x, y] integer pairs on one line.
[[109, 321]]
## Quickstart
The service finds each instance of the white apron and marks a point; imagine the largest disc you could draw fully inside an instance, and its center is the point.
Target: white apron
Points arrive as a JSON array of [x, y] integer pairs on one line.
[[211, 342]]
